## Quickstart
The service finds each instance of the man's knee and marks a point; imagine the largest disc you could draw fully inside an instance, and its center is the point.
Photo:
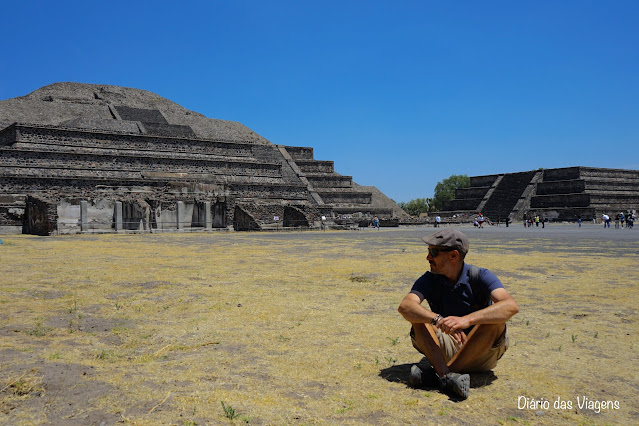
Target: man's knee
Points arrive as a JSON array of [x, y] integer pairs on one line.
[[422, 335], [492, 332]]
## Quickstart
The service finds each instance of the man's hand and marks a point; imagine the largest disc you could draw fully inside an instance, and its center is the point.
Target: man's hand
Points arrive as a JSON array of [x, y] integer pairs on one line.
[[451, 325], [460, 337]]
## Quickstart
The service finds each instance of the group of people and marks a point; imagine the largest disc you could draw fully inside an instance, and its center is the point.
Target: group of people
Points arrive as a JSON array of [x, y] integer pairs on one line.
[[480, 220], [530, 220], [621, 219]]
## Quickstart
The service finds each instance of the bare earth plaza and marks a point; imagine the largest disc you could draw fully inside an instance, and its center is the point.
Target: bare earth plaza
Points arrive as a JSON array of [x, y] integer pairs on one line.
[[302, 328]]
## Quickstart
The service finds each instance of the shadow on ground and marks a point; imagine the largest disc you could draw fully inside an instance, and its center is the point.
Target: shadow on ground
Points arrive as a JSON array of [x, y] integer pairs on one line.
[[400, 374]]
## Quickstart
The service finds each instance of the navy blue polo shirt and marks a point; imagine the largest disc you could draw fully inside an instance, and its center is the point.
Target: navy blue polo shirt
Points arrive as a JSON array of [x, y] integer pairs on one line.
[[457, 299]]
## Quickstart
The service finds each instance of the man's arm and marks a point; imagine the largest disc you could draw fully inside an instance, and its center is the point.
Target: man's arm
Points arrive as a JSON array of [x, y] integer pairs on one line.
[[412, 310], [502, 309]]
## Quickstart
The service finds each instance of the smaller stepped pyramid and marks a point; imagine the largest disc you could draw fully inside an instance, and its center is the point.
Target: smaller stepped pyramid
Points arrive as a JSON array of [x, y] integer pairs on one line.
[[555, 194]]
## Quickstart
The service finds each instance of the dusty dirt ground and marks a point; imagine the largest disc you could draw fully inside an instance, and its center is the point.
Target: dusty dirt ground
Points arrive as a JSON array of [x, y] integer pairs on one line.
[[302, 328]]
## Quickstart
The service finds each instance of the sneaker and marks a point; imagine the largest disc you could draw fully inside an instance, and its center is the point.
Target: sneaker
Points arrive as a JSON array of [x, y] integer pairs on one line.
[[420, 378], [456, 384]]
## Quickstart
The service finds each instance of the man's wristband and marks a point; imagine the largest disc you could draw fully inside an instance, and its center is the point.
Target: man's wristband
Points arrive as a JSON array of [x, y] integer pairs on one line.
[[436, 319]]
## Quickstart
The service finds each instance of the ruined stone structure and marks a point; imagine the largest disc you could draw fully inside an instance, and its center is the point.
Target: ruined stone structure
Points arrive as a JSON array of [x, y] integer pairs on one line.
[[86, 158], [556, 194]]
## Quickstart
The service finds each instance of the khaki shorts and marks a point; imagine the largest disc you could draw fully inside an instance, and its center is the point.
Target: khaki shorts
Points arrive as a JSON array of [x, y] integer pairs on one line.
[[485, 362]]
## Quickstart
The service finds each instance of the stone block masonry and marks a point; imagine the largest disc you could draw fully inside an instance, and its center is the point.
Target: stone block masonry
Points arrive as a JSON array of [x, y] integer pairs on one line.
[[91, 158], [554, 194]]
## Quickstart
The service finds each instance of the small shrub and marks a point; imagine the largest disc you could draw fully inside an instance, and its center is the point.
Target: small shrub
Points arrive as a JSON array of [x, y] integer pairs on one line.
[[229, 412]]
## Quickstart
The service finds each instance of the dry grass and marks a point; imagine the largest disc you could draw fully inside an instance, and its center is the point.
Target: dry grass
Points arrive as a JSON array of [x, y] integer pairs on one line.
[[294, 329]]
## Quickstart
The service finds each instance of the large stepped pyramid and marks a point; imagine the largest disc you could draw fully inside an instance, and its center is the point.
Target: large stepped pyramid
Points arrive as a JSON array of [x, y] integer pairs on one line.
[[556, 194], [84, 158]]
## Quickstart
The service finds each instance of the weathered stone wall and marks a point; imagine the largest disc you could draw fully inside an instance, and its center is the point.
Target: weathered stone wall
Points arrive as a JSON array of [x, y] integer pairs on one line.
[[482, 181], [561, 187], [103, 158], [300, 152], [568, 173], [315, 166], [94, 139], [462, 204], [131, 161], [560, 200], [620, 174], [561, 194], [471, 193], [346, 197], [330, 181]]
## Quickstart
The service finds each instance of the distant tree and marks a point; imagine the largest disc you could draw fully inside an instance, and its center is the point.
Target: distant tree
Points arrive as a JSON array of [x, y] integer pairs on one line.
[[445, 190], [416, 206]]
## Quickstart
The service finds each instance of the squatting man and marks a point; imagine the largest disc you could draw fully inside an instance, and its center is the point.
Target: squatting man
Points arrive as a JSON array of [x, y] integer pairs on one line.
[[465, 328]]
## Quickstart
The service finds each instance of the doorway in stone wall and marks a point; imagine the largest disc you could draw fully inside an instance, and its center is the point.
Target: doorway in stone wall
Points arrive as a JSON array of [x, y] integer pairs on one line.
[[242, 221], [198, 218], [294, 218], [135, 216], [219, 215]]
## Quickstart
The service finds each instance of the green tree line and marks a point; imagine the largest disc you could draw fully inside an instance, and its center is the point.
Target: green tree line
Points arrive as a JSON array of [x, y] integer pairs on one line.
[[444, 191]]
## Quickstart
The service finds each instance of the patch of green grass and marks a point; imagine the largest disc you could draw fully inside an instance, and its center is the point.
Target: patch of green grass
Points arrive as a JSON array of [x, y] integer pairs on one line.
[[348, 405], [107, 355], [443, 411], [229, 412], [39, 330]]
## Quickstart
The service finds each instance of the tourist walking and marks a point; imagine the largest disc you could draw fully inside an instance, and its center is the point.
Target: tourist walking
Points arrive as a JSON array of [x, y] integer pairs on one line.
[[606, 220]]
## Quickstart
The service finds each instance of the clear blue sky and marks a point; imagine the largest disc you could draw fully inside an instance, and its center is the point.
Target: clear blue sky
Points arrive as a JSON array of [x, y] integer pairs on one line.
[[399, 94]]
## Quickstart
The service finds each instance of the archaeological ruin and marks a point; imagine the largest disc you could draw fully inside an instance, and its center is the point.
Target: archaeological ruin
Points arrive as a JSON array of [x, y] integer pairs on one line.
[[93, 158], [555, 194]]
